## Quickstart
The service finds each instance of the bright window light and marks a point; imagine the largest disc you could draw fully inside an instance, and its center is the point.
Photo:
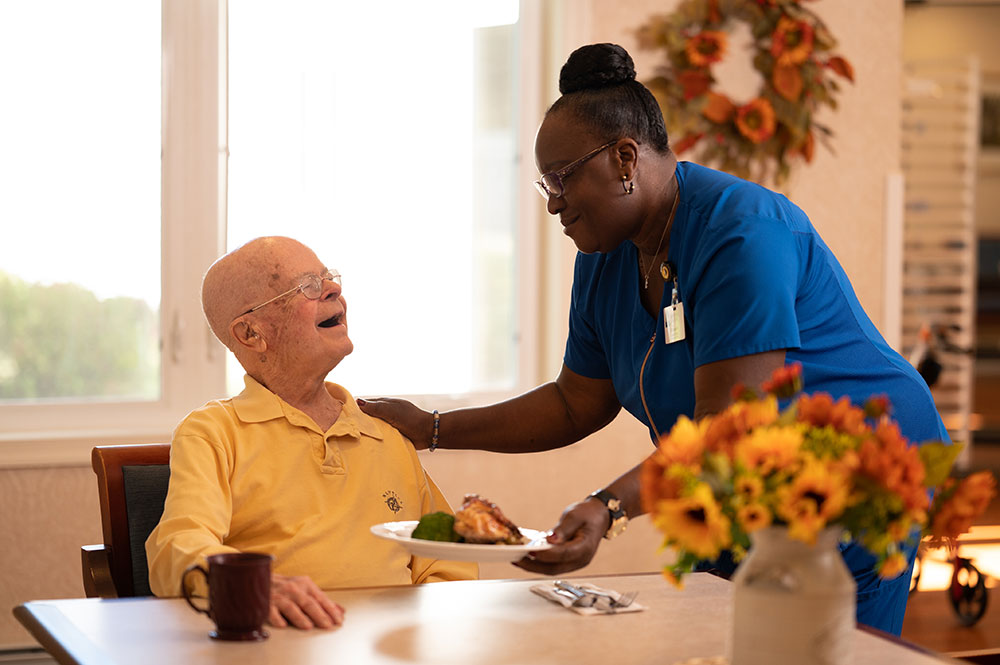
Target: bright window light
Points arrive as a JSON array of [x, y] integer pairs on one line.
[[382, 134], [79, 200]]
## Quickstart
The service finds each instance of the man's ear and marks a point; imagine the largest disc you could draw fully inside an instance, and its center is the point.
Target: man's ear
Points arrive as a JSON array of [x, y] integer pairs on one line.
[[626, 153], [247, 336]]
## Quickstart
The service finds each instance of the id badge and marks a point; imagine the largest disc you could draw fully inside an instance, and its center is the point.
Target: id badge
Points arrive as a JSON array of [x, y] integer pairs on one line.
[[673, 323]]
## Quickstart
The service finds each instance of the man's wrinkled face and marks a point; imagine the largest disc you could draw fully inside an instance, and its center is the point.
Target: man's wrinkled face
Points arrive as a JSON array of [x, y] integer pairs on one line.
[[303, 333]]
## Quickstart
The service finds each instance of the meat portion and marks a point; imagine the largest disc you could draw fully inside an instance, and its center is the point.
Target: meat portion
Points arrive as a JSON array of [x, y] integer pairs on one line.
[[481, 521]]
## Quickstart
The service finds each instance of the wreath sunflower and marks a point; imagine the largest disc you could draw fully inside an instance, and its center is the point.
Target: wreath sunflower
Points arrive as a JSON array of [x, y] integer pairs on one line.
[[760, 138]]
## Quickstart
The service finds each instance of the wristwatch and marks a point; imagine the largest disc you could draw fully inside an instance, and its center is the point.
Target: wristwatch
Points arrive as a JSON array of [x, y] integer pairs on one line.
[[619, 520]]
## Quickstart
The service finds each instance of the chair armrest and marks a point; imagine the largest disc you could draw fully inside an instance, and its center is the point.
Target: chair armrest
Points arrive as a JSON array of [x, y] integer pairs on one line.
[[97, 582]]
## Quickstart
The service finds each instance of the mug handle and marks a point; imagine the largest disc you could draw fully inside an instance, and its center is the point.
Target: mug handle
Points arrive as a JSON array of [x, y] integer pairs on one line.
[[184, 589]]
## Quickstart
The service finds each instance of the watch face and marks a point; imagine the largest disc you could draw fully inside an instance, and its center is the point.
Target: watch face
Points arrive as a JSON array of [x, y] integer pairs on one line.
[[615, 505], [617, 527]]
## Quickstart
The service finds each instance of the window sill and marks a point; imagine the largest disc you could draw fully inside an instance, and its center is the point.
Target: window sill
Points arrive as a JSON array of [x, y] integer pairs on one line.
[[72, 447]]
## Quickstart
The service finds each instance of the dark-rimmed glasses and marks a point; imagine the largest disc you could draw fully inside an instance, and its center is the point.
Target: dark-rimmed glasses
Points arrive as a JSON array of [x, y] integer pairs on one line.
[[551, 184], [311, 287]]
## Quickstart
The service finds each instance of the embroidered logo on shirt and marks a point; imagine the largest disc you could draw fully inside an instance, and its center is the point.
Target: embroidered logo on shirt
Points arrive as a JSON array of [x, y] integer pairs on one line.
[[392, 500]]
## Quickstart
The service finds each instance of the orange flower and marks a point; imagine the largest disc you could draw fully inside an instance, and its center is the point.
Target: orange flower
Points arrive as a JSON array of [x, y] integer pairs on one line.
[[728, 427], [877, 406], [792, 41], [969, 498], [685, 443], [785, 381], [756, 120], [718, 109], [748, 487], [771, 449], [893, 565], [753, 516], [820, 410], [656, 482], [695, 523], [816, 496], [706, 47], [888, 459]]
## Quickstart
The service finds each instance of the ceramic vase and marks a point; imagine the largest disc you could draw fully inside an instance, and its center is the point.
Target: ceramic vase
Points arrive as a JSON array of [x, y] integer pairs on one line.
[[792, 602]]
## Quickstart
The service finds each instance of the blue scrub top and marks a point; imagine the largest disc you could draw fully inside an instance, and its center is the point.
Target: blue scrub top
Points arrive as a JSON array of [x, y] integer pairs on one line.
[[754, 276]]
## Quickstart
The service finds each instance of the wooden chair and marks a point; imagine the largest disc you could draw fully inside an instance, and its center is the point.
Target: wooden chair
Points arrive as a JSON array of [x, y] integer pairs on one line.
[[132, 486]]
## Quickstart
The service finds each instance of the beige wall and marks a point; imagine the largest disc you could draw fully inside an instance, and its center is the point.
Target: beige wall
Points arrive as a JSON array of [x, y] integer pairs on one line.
[[49, 513], [842, 193], [946, 32]]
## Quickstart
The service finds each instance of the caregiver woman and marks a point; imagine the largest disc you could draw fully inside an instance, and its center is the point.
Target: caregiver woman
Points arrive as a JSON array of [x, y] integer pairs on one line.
[[687, 281]]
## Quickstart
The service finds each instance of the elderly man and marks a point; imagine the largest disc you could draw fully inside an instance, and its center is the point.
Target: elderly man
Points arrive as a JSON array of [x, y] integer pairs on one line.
[[290, 467]]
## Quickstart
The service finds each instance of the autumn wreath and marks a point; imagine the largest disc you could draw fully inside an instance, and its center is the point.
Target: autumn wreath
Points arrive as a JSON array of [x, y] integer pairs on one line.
[[758, 138]]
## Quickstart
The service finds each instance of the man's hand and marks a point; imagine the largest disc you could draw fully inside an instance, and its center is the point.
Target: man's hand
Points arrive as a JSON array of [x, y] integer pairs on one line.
[[298, 601], [575, 540]]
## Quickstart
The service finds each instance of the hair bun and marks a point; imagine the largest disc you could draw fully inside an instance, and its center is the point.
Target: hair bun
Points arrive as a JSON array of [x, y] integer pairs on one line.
[[596, 66]]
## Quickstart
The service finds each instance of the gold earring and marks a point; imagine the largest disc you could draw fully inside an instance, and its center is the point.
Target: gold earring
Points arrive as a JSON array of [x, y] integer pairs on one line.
[[630, 187]]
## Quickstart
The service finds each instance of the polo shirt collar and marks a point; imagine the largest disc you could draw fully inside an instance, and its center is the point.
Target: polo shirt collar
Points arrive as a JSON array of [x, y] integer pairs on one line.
[[257, 404]]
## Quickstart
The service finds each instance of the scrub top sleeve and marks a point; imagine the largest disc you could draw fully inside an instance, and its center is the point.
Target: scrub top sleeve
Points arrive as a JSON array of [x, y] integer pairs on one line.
[[584, 351], [743, 300]]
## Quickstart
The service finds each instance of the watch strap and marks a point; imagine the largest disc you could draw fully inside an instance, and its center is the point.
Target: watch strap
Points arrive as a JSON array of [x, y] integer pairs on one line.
[[616, 512]]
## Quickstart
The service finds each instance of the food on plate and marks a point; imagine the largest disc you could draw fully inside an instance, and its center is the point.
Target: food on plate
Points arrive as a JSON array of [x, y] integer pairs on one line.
[[478, 521], [481, 521], [436, 526]]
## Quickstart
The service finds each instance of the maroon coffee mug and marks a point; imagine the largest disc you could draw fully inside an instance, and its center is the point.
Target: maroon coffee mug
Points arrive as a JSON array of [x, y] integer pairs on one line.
[[239, 594]]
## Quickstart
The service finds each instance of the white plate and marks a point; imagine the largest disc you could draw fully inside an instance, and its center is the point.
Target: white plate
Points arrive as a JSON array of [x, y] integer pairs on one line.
[[434, 549]]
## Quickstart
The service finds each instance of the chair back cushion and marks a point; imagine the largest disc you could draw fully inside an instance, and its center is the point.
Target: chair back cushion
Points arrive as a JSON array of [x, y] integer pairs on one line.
[[145, 489]]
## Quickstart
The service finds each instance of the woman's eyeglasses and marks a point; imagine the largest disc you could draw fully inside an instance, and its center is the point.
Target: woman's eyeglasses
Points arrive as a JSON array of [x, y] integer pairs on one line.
[[551, 184]]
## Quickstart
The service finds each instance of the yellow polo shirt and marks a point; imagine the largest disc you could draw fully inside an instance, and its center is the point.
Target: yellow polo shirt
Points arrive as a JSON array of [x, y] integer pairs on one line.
[[253, 473]]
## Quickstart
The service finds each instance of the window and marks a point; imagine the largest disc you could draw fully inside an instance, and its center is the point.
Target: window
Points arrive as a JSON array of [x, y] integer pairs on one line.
[[114, 168], [111, 171], [79, 318], [393, 153]]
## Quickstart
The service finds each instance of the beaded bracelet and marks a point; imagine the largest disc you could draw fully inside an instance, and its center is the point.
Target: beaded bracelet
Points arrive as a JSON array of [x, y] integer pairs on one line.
[[434, 436]]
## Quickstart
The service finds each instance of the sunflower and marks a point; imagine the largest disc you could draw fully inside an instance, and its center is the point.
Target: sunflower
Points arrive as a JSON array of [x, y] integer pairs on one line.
[[685, 443], [705, 48], [791, 41], [770, 449], [753, 516], [756, 120], [748, 487], [694, 523], [813, 498]]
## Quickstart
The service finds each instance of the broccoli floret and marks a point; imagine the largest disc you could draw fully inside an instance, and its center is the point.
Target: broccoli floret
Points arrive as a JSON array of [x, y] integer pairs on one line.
[[437, 526]]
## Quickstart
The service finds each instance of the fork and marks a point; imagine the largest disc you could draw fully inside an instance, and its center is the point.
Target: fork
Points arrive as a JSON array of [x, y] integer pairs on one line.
[[615, 603]]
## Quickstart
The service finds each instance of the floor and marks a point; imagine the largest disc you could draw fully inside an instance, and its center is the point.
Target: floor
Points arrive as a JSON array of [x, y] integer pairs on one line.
[[930, 620]]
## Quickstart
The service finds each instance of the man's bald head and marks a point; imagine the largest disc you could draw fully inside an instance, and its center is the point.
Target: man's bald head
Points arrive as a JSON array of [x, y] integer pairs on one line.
[[244, 278]]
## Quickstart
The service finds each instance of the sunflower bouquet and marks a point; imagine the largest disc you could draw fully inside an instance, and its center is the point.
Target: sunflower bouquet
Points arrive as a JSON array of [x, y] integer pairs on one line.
[[814, 464]]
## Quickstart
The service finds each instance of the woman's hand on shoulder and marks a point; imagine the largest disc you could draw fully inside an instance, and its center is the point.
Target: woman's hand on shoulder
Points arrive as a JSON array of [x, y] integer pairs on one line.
[[415, 424]]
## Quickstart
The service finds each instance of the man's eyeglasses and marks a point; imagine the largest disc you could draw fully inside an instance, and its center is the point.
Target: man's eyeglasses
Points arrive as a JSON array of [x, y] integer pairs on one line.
[[551, 184], [311, 287]]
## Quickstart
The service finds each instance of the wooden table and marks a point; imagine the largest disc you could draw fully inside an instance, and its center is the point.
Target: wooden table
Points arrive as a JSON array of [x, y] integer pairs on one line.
[[489, 622]]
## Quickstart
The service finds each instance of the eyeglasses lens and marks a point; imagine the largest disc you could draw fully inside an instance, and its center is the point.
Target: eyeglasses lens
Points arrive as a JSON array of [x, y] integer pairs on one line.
[[312, 286], [550, 185]]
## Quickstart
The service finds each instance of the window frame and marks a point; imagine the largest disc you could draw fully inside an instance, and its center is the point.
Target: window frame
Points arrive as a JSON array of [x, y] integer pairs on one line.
[[193, 185], [193, 234]]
